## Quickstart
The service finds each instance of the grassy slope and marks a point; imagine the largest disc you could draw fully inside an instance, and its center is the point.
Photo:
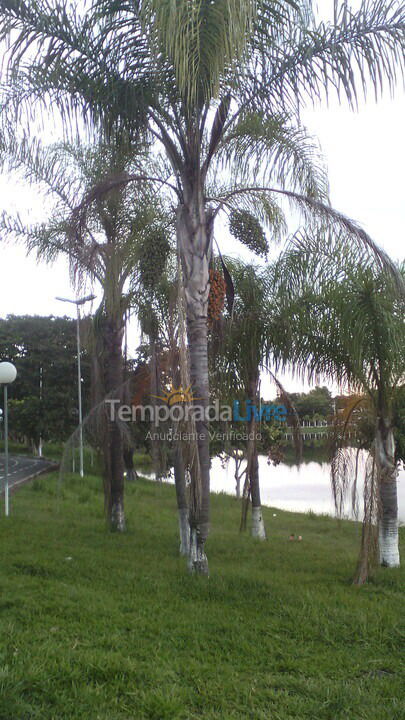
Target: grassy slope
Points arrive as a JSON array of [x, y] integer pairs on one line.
[[121, 631]]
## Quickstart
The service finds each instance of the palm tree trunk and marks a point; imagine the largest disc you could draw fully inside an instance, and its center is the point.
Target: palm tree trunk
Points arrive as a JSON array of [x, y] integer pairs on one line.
[[180, 469], [115, 447], [194, 235], [116, 471], [251, 488], [257, 529], [388, 521], [200, 473]]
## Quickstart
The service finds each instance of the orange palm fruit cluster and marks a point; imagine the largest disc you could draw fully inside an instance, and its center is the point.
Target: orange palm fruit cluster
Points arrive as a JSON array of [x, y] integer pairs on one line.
[[216, 300]]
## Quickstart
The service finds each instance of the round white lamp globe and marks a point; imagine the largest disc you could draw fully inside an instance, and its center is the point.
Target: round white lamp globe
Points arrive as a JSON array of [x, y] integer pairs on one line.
[[8, 373]]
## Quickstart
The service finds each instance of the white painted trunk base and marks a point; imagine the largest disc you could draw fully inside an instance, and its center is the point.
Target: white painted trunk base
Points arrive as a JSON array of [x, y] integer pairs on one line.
[[117, 518], [197, 559], [131, 476], [388, 543], [184, 530], [258, 530]]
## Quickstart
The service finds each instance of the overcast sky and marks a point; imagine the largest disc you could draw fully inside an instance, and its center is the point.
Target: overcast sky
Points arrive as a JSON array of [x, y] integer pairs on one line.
[[365, 155]]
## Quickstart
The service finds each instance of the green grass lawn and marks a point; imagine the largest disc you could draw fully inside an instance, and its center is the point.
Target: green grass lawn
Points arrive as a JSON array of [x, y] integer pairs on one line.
[[111, 627]]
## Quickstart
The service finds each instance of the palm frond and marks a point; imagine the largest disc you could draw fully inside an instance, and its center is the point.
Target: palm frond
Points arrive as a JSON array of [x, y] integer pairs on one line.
[[317, 216], [271, 148], [199, 40], [369, 535], [293, 415], [360, 48], [345, 314]]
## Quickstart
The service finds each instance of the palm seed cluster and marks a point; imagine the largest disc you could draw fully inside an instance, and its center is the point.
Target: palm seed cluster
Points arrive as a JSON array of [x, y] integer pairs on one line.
[[216, 300], [153, 256], [247, 229]]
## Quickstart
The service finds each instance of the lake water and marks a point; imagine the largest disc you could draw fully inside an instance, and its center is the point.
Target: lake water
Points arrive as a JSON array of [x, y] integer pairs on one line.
[[298, 489]]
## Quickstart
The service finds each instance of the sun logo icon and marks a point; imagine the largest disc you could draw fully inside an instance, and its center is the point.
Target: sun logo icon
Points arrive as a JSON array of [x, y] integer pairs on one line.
[[176, 396]]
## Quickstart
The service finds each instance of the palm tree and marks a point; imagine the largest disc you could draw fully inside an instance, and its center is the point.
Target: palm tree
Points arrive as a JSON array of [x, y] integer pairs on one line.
[[106, 250], [158, 312], [216, 85], [247, 344], [243, 343], [346, 322]]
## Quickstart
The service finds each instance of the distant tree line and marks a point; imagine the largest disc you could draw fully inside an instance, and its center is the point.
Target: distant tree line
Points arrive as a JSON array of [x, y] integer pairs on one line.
[[318, 401], [43, 399]]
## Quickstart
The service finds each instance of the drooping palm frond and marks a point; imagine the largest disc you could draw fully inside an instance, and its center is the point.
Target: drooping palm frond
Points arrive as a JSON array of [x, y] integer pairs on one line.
[[317, 216], [345, 311], [294, 420], [371, 514], [263, 207], [272, 149], [243, 335], [114, 53], [199, 39], [345, 459], [48, 167], [250, 336], [49, 240], [68, 69], [66, 172], [266, 55], [358, 49]]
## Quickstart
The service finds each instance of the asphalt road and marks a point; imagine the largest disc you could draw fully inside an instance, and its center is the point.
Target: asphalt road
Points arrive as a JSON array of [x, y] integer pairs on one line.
[[22, 468]]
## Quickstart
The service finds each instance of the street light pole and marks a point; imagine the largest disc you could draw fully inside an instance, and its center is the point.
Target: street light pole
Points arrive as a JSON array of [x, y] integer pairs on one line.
[[6, 504], [79, 383], [8, 374], [79, 302]]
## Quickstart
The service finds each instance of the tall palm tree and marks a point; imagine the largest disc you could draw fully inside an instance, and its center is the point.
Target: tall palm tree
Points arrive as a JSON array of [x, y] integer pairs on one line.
[[346, 322], [213, 83], [105, 250]]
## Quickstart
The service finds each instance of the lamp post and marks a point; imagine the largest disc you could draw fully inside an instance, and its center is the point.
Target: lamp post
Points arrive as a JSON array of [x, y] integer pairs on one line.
[[79, 302], [8, 374]]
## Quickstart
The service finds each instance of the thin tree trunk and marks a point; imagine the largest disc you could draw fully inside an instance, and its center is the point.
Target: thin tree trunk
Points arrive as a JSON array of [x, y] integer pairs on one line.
[[182, 503], [369, 540], [388, 520], [128, 456], [115, 447], [155, 391], [257, 529], [246, 493], [237, 476], [179, 468], [194, 235], [200, 489], [98, 393], [116, 468]]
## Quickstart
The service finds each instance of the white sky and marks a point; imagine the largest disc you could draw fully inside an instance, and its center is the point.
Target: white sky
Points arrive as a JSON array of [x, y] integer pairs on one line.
[[365, 154]]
